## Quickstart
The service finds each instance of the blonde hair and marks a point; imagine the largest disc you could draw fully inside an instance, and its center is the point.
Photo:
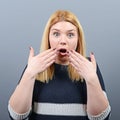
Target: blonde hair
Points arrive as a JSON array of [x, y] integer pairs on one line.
[[62, 15]]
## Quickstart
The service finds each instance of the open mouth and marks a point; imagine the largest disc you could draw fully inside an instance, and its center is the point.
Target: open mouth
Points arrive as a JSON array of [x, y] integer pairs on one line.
[[63, 50]]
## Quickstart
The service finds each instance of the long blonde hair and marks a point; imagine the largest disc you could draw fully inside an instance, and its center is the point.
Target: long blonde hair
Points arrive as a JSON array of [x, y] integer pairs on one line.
[[62, 15]]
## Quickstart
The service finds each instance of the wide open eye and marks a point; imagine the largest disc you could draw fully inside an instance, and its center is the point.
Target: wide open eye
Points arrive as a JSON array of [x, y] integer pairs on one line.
[[56, 34], [70, 35]]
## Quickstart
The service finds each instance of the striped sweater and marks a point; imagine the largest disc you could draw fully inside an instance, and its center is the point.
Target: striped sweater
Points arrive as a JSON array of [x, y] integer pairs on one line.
[[62, 99]]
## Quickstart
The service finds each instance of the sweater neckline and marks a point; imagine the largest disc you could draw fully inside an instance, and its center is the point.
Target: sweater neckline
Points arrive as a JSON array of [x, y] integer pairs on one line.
[[60, 65], [60, 69]]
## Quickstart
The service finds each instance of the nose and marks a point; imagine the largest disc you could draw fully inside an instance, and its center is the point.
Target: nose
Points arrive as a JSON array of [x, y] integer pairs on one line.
[[63, 40], [62, 43]]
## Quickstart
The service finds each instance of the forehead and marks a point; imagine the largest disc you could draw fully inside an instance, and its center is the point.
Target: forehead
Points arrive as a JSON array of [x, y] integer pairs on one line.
[[63, 25]]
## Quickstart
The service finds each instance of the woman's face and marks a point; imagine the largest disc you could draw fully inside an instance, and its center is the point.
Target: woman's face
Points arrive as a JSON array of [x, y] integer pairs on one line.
[[64, 37]]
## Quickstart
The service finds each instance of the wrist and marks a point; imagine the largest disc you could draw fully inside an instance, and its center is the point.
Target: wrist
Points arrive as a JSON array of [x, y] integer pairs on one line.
[[27, 79], [29, 74], [92, 78]]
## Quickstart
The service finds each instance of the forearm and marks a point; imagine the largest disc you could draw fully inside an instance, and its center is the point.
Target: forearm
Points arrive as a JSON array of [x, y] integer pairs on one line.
[[96, 99], [21, 99]]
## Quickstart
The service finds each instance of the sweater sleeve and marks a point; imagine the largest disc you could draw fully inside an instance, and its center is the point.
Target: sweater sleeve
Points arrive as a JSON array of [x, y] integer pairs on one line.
[[17, 116], [100, 78], [103, 116]]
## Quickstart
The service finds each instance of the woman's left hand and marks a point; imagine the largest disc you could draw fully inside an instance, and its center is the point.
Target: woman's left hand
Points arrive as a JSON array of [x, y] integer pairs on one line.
[[85, 68]]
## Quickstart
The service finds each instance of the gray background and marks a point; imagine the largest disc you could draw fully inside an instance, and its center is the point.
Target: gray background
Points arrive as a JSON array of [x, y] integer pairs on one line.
[[22, 23]]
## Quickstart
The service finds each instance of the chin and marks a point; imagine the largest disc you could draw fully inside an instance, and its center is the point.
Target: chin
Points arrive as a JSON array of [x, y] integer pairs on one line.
[[63, 60]]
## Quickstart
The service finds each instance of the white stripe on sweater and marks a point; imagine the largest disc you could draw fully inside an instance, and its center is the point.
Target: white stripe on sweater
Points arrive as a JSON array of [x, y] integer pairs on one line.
[[60, 109]]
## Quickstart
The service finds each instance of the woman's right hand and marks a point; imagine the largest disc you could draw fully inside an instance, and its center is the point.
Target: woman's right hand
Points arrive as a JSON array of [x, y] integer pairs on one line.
[[40, 62]]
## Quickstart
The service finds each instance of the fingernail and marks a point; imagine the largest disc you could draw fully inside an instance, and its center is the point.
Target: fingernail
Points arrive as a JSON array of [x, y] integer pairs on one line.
[[54, 48], [92, 53], [29, 48]]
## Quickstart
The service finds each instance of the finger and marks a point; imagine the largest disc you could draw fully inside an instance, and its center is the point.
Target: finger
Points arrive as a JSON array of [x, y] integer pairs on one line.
[[92, 57], [47, 54], [75, 57], [50, 63], [75, 63], [49, 59], [31, 54], [78, 55], [75, 66]]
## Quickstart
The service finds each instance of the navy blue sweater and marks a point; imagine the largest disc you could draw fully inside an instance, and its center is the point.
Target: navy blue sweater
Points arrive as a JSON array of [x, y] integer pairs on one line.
[[60, 98]]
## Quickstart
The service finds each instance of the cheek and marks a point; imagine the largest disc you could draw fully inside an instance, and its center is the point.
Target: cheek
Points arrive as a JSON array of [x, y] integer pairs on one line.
[[73, 45], [53, 43]]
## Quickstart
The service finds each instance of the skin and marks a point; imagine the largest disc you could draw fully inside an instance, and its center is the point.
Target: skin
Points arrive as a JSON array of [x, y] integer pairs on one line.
[[62, 35]]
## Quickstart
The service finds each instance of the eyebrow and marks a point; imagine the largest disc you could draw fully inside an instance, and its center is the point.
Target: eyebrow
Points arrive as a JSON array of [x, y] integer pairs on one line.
[[59, 30]]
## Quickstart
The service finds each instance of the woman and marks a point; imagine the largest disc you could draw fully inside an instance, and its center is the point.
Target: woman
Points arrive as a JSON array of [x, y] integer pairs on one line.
[[60, 83]]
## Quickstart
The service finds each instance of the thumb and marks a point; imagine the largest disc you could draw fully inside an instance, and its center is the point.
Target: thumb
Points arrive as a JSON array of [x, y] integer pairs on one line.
[[31, 54]]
